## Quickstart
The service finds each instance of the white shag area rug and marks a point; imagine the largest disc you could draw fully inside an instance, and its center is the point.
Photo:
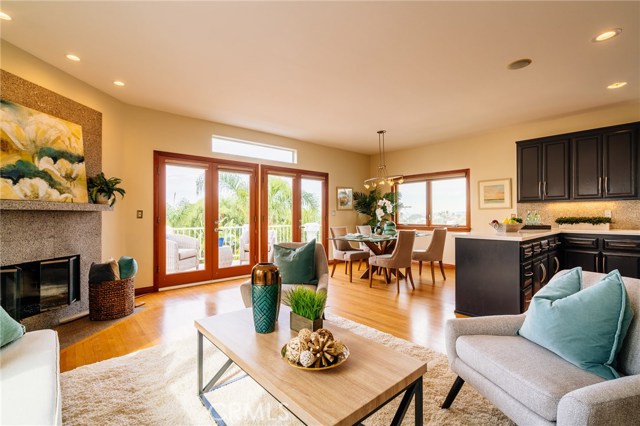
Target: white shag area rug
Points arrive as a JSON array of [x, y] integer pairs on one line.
[[158, 386]]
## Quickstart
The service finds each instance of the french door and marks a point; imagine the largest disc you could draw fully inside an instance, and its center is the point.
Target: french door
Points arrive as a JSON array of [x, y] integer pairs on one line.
[[205, 219], [293, 207]]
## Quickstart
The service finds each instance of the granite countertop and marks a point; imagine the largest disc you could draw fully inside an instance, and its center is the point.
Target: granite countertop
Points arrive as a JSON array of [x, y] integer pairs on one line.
[[533, 234]]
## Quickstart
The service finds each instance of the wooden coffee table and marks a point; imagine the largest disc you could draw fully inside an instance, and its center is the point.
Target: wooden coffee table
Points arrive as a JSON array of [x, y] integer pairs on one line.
[[372, 376]]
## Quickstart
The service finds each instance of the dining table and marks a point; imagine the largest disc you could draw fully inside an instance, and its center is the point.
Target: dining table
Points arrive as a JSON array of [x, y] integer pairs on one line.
[[378, 244]]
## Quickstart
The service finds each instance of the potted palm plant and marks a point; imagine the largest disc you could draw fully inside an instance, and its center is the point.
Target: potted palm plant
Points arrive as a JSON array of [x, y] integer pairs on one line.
[[103, 190]]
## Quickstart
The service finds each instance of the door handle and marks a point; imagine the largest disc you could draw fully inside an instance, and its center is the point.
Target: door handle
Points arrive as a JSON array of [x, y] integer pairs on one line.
[[215, 229]]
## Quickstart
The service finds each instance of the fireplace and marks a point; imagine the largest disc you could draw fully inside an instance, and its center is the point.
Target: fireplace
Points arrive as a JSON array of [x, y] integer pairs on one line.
[[31, 288]]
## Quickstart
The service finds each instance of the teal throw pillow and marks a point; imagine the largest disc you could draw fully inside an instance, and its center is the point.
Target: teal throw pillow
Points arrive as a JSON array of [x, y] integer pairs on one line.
[[10, 329], [297, 265], [585, 327], [128, 267]]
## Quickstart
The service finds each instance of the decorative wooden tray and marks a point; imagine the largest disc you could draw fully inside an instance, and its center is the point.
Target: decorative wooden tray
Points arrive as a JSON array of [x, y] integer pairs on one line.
[[341, 359]]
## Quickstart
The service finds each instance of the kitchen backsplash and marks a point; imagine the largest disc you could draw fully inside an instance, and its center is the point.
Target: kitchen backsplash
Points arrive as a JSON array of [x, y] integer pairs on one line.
[[624, 214]]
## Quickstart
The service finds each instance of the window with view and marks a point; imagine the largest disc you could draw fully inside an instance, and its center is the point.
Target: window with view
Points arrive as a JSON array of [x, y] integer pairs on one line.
[[435, 199], [253, 150]]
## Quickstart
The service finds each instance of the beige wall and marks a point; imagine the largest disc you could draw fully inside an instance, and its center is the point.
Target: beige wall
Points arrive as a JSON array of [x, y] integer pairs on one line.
[[493, 155], [131, 134], [30, 68]]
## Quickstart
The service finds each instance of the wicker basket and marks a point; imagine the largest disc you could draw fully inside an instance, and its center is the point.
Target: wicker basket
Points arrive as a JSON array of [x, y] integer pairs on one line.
[[111, 299]]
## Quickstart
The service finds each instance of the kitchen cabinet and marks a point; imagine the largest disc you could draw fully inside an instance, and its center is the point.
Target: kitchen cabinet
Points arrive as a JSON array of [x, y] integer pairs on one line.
[[543, 170], [605, 164], [599, 253], [497, 277], [587, 165]]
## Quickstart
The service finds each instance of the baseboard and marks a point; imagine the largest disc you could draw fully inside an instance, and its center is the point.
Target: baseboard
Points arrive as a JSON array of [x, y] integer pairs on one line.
[[144, 290]]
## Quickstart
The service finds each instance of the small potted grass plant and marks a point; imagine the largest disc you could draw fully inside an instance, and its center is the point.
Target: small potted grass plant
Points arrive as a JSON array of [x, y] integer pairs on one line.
[[584, 222], [103, 190], [307, 307]]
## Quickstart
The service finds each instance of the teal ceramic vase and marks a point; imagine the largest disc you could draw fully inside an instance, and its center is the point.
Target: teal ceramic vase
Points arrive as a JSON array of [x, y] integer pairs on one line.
[[266, 284], [389, 228]]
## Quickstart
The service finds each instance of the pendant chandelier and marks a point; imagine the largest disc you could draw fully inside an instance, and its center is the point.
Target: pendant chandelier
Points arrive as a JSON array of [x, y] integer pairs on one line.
[[383, 177]]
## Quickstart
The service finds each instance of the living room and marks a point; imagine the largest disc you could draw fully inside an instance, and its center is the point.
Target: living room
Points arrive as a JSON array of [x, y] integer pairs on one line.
[[436, 136]]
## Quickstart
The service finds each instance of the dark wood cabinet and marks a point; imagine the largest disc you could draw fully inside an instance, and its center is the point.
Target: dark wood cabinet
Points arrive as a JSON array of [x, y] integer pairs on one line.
[[603, 253], [587, 165], [499, 277], [543, 170]]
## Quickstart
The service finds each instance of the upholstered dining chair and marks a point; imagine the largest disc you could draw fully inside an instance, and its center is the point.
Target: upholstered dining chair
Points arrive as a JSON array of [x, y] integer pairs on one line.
[[342, 250], [400, 258], [435, 252], [364, 230]]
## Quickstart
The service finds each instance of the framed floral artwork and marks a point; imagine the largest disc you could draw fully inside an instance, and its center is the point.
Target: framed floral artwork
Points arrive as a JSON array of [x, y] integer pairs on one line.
[[345, 198], [495, 194]]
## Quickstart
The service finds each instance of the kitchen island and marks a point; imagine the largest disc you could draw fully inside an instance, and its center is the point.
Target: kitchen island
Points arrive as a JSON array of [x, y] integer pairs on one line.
[[498, 274]]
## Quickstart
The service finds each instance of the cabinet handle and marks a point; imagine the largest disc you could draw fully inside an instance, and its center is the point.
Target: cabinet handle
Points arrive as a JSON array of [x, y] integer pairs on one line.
[[544, 188], [599, 185], [539, 189], [595, 260], [555, 259], [622, 245], [544, 273], [603, 266], [528, 274], [606, 185]]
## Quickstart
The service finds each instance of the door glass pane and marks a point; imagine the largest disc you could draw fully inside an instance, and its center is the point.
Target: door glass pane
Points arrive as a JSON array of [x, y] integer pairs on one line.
[[449, 202], [234, 242], [311, 204], [280, 210], [413, 197], [185, 186]]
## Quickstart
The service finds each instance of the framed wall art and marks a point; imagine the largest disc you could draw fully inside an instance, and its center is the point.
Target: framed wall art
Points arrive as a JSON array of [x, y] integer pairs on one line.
[[345, 198], [495, 194]]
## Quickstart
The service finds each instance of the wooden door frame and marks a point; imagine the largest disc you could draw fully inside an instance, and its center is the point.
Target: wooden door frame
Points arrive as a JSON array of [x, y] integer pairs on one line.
[[297, 175], [211, 246]]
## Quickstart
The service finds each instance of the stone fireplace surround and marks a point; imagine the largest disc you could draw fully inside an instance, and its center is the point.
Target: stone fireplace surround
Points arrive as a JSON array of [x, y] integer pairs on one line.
[[36, 230]]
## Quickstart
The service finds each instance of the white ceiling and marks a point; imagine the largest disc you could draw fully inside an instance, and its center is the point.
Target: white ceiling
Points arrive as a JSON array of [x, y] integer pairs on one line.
[[336, 72]]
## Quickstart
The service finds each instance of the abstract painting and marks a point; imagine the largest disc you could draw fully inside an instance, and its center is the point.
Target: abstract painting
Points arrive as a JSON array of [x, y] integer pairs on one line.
[[495, 194], [41, 156]]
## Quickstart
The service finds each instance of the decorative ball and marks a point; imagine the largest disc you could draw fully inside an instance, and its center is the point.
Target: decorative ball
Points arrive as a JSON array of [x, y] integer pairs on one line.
[[293, 349], [339, 346], [304, 335], [313, 336], [306, 358], [325, 333]]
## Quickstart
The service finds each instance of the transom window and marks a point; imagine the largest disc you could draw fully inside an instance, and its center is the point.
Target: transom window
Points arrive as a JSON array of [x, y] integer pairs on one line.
[[255, 150], [432, 200]]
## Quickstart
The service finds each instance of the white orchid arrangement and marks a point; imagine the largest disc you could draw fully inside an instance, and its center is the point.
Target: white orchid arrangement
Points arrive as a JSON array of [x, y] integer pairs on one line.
[[385, 207]]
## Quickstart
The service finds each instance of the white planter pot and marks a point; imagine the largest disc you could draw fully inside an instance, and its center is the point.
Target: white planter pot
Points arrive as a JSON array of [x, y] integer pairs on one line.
[[102, 199], [586, 227]]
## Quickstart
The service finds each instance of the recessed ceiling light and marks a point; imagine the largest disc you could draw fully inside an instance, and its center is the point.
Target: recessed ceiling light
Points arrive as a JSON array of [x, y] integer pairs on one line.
[[520, 63], [119, 83], [72, 57], [609, 34], [5, 17], [617, 85]]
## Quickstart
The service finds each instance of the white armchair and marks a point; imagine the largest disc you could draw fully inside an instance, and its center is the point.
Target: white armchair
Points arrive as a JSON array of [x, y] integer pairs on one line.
[[183, 253]]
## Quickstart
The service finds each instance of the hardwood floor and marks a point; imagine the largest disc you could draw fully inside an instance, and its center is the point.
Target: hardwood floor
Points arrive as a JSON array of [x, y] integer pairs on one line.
[[416, 315]]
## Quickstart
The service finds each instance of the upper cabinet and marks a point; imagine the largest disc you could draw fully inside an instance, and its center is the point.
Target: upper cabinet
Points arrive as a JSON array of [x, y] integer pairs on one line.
[[588, 165], [543, 170]]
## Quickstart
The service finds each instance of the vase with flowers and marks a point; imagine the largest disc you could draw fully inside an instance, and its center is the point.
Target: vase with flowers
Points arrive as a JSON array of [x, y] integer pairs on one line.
[[378, 207], [384, 214]]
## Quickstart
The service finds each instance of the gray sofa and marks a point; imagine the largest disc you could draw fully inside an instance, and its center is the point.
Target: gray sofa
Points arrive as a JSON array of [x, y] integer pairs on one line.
[[534, 386]]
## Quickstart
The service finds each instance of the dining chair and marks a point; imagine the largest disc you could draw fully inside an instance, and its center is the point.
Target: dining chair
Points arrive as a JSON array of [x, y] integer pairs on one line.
[[342, 250], [399, 258], [364, 230], [433, 253]]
